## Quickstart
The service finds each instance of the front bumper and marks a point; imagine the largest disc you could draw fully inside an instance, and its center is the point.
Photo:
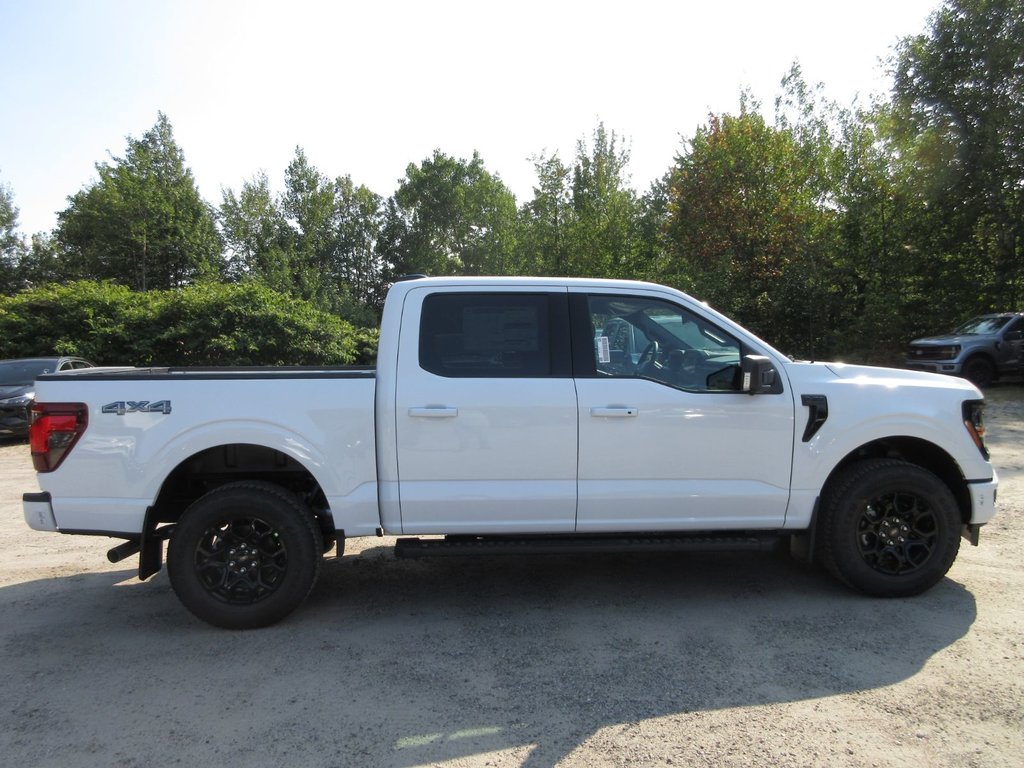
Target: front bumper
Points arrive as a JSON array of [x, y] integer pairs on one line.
[[983, 499], [939, 366]]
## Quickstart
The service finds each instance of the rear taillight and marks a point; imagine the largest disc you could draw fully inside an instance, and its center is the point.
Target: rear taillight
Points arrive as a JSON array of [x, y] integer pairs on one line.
[[55, 429]]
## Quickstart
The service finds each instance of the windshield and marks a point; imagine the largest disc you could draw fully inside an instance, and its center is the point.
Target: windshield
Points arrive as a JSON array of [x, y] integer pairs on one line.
[[21, 373], [983, 325], [691, 335]]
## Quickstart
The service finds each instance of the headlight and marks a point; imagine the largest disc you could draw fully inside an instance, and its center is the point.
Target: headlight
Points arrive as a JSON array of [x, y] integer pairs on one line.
[[974, 421], [944, 353]]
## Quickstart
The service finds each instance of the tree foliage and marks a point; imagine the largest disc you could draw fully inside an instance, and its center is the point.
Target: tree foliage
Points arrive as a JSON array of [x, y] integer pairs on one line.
[[207, 324], [584, 219], [12, 245], [257, 236], [747, 228], [143, 223], [958, 106], [450, 216], [316, 241]]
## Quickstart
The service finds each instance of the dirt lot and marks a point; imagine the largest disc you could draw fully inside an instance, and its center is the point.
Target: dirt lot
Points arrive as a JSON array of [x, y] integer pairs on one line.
[[737, 660]]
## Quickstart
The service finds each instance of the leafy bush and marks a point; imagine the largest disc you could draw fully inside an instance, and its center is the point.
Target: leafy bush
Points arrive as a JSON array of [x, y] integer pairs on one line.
[[210, 324]]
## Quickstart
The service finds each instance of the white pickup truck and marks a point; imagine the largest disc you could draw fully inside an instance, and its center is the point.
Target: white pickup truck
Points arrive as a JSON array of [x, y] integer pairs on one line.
[[514, 415]]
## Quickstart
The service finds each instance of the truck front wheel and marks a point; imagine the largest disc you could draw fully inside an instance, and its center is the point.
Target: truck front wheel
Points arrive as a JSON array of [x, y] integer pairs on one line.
[[244, 555], [979, 371], [889, 528]]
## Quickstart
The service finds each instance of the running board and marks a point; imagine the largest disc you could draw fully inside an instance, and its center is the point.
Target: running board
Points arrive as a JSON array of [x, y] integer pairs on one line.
[[566, 545]]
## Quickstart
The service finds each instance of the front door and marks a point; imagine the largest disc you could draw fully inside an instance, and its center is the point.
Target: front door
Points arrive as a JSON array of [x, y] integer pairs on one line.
[[667, 440]]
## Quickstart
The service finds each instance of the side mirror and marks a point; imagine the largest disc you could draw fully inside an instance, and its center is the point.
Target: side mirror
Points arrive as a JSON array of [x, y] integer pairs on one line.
[[759, 376]]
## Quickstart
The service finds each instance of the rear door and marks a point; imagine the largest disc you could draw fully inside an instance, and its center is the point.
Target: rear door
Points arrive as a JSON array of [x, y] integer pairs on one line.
[[485, 412]]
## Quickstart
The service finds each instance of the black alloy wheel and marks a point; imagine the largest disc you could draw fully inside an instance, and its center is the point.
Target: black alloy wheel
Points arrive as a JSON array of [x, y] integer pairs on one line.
[[245, 555], [897, 532], [888, 528], [241, 561]]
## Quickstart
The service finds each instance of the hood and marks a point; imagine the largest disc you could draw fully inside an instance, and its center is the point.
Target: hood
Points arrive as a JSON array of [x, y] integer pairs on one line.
[[808, 377], [13, 390], [950, 339], [870, 374]]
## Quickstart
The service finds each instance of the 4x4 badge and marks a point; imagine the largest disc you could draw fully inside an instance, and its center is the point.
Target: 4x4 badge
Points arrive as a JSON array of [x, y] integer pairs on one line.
[[121, 407]]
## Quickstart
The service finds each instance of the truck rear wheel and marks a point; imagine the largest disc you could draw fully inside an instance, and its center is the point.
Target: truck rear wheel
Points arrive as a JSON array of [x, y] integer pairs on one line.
[[245, 555], [889, 528]]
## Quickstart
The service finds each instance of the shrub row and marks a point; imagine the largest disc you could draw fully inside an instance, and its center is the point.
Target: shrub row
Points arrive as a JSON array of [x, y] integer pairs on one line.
[[209, 324]]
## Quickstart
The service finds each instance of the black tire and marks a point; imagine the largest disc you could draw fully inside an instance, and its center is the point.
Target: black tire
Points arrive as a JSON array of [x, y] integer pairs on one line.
[[245, 555], [889, 528], [980, 371]]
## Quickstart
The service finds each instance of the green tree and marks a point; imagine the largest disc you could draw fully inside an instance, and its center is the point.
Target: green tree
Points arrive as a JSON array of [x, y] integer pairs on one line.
[[317, 241], [602, 230], [544, 221], [451, 216], [258, 238], [12, 246], [584, 219], [356, 268], [42, 263], [882, 272], [308, 204], [958, 100], [651, 227], [143, 223], [747, 229]]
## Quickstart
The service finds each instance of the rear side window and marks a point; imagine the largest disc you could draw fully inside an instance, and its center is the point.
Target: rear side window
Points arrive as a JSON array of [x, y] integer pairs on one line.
[[486, 335]]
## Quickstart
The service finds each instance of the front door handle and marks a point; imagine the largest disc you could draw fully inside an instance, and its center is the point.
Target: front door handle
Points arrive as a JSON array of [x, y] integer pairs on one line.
[[617, 412], [434, 412]]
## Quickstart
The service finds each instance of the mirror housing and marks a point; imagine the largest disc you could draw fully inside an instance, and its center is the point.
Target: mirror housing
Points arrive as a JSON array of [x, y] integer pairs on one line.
[[758, 376]]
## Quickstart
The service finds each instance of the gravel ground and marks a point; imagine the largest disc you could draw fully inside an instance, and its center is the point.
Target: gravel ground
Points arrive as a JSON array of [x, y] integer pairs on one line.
[[695, 660]]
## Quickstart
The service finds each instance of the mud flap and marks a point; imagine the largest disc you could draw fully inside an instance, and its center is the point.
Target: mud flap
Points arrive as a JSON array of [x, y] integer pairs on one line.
[[151, 547]]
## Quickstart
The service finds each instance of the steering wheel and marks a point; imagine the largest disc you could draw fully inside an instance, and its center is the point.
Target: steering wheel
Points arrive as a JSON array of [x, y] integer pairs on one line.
[[648, 359]]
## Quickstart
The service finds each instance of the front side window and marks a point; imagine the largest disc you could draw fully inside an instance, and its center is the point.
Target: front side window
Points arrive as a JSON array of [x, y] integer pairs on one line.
[[486, 335], [1016, 326], [654, 339]]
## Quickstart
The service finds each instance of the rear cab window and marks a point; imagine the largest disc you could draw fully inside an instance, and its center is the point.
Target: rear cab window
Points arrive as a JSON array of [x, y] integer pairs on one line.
[[495, 335]]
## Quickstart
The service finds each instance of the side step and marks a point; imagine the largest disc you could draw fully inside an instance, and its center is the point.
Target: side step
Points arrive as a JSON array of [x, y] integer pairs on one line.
[[567, 545]]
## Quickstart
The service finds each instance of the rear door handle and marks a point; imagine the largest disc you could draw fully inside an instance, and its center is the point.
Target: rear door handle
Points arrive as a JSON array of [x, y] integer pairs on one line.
[[618, 412], [434, 412]]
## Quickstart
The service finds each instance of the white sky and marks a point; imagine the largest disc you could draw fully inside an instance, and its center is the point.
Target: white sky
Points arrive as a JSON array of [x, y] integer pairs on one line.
[[367, 87]]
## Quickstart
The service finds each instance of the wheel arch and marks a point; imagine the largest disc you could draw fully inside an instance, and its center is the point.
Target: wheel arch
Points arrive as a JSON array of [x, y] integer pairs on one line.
[[217, 465], [914, 450]]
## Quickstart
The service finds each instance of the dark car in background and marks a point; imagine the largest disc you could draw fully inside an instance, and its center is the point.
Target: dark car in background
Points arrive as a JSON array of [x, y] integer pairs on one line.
[[982, 349], [17, 388]]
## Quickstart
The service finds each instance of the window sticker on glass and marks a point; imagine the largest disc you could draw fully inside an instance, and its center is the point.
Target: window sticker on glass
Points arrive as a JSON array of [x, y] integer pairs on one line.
[[510, 329], [604, 353]]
